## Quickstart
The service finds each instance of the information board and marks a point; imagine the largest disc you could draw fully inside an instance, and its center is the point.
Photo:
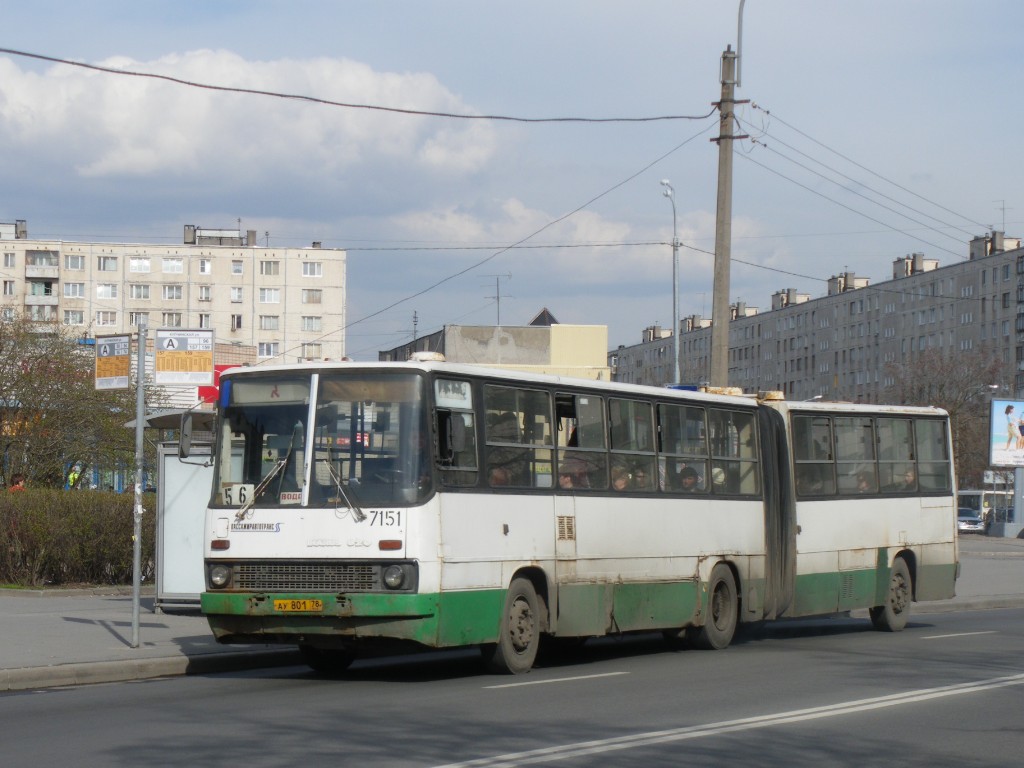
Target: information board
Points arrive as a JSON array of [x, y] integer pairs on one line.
[[184, 357], [113, 362]]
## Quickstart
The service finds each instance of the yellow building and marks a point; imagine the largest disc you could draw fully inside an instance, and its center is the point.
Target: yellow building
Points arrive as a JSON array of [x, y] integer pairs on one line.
[[544, 346]]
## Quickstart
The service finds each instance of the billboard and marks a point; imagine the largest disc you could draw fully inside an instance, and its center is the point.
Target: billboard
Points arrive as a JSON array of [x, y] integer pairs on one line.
[[1006, 433]]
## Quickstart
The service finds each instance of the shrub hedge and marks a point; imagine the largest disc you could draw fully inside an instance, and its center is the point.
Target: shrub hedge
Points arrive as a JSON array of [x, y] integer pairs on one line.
[[51, 537]]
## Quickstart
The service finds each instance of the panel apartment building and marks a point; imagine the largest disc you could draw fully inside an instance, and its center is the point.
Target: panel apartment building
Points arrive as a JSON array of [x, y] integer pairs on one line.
[[842, 346], [288, 304]]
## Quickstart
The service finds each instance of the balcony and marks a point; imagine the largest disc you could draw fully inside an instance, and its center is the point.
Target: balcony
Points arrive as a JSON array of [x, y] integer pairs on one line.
[[41, 301], [32, 271]]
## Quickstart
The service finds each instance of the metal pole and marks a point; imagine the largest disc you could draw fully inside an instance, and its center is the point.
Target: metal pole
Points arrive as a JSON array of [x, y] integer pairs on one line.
[[669, 192], [140, 417]]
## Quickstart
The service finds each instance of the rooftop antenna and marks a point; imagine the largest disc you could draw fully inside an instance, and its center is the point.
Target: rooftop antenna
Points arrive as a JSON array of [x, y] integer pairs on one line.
[[497, 291]]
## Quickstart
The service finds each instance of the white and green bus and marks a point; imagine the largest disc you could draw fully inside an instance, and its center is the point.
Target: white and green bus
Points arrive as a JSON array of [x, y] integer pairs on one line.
[[358, 508]]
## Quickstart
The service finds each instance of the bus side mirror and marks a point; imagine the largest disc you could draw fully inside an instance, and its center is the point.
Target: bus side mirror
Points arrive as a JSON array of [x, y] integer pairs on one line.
[[185, 436]]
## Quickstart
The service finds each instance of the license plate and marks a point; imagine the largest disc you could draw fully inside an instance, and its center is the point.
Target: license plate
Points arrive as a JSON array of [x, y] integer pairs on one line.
[[299, 606]]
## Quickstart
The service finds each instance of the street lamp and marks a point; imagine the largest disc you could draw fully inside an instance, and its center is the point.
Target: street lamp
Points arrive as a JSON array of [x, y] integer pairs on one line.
[[669, 192]]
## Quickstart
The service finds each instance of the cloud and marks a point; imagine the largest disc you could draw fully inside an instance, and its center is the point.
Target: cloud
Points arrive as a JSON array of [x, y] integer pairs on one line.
[[106, 125]]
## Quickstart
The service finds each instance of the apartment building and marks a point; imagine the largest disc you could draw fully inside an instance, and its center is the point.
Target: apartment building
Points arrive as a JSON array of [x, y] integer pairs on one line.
[[286, 303], [843, 345]]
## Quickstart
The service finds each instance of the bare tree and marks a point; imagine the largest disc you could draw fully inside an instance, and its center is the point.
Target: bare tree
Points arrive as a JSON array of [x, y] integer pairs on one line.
[[963, 384]]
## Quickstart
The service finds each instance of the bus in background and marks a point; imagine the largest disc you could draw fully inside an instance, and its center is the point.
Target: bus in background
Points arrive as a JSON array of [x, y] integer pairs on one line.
[[990, 506], [358, 508]]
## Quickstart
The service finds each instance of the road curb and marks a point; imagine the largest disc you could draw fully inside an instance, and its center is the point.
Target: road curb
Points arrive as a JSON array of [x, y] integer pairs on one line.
[[88, 673]]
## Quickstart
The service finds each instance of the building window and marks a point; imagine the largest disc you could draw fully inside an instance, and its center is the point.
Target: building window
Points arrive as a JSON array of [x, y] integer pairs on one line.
[[312, 269], [106, 263], [8, 287], [236, 267], [268, 349], [172, 266], [74, 290], [171, 319], [42, 314], [236, 295], [139, 291], [106, 318], [205, 267], [269, 322], [106, 290], [311, 323], [134, 318], [45, 259], [236, 322], [74, 261], [204, 320], [311, 351], [312, 296], [270, 267], [270, 295], [138, 264], [74, 317], [172, 292], [204, 292], [8, 259]]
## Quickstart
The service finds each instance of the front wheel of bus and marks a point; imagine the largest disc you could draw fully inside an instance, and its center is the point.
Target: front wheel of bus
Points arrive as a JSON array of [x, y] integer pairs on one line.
[[326, 661], [722, 614], [892, 617], [519, 635]]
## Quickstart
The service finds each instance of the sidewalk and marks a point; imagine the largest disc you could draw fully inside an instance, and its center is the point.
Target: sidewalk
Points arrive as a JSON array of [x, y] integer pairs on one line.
[[72, 637]]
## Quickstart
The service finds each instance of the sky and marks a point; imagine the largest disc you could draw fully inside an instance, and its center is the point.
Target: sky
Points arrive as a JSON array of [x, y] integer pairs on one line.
[[876, 129]]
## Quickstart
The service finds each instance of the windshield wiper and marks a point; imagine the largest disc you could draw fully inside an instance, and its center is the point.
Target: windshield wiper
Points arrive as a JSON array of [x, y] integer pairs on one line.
[[357, 514], [259, 489]]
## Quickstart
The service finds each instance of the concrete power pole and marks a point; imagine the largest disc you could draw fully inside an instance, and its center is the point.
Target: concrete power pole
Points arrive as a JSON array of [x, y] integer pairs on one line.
[[720, 312]]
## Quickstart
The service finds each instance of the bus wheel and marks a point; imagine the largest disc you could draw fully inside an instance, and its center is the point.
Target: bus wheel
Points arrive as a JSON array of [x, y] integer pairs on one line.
[[519, 636], [722, 615], [892, 617], [326, 661]]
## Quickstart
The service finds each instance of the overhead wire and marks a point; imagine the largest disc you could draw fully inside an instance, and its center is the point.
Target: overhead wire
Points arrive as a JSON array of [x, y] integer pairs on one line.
[[347, 105], [775, 139], [877, 175]]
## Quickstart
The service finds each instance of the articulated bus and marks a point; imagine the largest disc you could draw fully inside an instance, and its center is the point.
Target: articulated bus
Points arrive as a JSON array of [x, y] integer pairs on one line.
[[365, 508]]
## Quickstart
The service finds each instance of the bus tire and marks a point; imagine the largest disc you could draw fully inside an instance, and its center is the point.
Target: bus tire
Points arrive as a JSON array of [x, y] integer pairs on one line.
[[329, 662], [722, 614], [519, 633], [893, 615]]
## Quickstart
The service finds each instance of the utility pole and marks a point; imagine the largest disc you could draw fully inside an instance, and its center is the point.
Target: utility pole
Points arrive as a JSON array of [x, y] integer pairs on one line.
[[720, 312]]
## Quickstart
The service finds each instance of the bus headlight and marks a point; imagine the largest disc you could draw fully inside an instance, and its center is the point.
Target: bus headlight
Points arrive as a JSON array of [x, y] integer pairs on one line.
[[220, 575], [394, 576]]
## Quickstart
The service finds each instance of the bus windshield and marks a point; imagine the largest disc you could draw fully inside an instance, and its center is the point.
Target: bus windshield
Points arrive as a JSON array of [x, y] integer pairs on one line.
[[357, 439]]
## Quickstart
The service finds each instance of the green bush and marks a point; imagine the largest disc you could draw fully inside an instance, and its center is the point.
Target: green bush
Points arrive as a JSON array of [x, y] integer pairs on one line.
[[50, 537]]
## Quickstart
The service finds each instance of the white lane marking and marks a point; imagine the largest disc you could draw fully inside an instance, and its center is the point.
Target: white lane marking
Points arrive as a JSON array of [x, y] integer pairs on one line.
[[959, 634], [601, 746], [554, 680]]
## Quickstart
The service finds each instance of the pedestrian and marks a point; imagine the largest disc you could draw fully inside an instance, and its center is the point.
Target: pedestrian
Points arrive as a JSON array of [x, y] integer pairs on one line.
[[17, 482]]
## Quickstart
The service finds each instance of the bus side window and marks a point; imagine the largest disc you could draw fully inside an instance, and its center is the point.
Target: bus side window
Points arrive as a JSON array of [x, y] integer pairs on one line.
[[456, 447]]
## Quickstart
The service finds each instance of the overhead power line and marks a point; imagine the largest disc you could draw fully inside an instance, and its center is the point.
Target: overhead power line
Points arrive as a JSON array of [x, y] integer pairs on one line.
[[347, 105], [865, 168]]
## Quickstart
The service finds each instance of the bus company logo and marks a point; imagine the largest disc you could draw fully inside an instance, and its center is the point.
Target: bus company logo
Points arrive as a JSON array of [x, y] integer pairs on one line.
[[256, 527]]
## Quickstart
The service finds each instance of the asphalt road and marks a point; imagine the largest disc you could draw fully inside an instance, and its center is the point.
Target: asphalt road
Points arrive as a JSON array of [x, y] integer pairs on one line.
[[946, 691]]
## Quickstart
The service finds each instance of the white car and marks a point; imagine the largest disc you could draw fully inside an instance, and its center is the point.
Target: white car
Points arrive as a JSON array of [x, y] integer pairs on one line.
[[968, 521]]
